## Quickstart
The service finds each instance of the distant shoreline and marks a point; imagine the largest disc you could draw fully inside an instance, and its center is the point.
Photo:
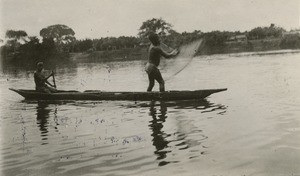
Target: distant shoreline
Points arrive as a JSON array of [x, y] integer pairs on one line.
[[246, 48], [262, 53]]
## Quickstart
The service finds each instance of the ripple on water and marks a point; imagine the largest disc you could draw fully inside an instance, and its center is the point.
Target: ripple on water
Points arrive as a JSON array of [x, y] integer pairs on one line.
[[74, 144], [254, 129]]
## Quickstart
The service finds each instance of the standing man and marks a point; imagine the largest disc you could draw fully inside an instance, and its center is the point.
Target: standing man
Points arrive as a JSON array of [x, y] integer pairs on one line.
[[41, 81], [155, 52]]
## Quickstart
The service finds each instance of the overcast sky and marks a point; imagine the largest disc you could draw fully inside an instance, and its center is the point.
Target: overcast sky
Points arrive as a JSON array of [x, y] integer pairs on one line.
[[101, 18]]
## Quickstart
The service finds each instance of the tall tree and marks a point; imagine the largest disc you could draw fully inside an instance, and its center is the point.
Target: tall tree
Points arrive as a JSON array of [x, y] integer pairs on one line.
[[155, 25], [15, 38], [12, 34], [61, 34]]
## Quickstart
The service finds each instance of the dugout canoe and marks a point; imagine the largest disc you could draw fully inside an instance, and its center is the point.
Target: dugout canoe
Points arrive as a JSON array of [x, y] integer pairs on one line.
[[101, 95]]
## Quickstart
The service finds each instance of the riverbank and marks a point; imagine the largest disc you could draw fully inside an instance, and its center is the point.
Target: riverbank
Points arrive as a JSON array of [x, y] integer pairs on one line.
[[122, 54], [273, 44], [249, 47]]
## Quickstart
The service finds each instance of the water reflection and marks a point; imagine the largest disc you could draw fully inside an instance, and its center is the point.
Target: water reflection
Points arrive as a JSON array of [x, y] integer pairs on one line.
[[42, 117], [156, 124], [167, 142]]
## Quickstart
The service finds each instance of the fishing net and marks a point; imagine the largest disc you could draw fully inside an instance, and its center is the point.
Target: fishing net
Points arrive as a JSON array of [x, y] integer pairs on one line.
[[174, 66]]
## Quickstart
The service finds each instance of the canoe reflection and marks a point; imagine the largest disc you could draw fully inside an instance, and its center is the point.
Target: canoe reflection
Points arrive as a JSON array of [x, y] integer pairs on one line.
[[165, 141]]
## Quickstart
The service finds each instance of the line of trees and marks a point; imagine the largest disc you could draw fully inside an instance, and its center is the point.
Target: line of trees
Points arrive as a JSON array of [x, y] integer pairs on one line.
[[164, 29], [59, 40], [104, 44], [215, 40], [56, 40], [266, 32]]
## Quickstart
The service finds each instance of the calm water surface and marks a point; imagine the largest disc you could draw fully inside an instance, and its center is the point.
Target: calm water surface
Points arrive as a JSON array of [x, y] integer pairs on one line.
[[251, 129]]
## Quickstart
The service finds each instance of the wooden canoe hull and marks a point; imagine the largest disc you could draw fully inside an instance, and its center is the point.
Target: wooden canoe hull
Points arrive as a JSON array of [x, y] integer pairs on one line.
[[133, 96]]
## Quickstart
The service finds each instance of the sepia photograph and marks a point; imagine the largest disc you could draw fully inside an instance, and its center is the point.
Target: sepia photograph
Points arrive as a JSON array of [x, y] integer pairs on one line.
[[149, 87]]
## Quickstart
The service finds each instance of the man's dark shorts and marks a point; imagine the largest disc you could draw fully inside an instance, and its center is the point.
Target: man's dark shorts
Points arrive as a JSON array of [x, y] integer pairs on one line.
[[154, 73]]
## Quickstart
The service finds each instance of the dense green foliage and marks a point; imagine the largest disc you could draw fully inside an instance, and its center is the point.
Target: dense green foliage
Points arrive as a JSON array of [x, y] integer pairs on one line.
[[15, 39], [22, 48], [216, 40], [159, 26], [290, 42], [104, 44], [265, 32], [81, 45], [61, 34], [11, 34], [176, 39], [58, 40]]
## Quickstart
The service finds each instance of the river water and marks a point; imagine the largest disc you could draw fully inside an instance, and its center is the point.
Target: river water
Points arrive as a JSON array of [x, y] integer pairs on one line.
[[253, 128]]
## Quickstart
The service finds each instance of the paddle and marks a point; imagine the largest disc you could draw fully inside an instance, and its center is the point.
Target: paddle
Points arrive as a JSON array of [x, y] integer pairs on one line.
[[53, 79]]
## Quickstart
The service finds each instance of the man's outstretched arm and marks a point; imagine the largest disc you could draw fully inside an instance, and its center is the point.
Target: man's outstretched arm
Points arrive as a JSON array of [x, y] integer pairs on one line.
[[169, 55]]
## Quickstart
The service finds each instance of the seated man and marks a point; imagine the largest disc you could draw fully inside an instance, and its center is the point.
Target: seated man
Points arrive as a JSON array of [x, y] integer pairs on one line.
[[41, 81]]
